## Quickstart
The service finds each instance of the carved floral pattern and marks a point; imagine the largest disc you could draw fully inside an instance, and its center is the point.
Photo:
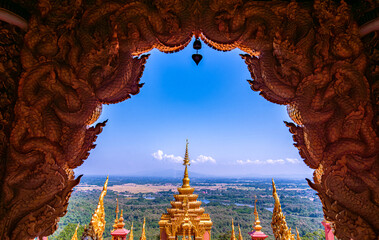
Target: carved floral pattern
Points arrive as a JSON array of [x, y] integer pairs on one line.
[[78, 55]]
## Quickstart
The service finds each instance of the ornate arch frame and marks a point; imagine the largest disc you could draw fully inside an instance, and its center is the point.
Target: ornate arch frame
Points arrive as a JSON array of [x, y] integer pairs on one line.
[[78, 55]]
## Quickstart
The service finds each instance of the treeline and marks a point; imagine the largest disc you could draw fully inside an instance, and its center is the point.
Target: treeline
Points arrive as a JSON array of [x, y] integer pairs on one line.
[[221, 209]]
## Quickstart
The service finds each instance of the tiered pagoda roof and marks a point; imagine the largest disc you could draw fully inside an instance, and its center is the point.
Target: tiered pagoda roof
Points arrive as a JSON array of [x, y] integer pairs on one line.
[[185, 217]]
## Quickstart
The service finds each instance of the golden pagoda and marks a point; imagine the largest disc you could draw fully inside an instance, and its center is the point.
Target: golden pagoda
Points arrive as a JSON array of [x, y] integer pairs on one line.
[[96, 227], [185, 217], [279, 224]]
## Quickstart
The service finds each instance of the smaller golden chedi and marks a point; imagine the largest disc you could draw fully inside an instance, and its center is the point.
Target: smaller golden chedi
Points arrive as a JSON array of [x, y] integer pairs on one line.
[[119, 232]]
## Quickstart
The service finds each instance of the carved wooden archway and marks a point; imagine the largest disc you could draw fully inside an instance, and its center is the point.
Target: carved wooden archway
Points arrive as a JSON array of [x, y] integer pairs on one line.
[[78, 55]]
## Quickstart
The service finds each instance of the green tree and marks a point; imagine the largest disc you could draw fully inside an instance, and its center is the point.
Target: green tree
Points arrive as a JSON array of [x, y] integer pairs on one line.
[[316, 235], [68, 231]]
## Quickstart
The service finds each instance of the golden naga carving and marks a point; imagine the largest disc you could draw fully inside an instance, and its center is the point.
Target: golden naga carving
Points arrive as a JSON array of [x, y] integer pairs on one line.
[[279, 224], [77, 55], [96, 226]]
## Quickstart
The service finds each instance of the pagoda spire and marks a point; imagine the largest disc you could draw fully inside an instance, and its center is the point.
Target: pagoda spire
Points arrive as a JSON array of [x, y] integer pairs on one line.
[[131, 236], [121, 223], [143, 234], [75, 236], [186, 162], [239, 233], [257, 234], [297, 235], [233, 236], [96, 226], [257, 223], [279, 224], [116, 219]]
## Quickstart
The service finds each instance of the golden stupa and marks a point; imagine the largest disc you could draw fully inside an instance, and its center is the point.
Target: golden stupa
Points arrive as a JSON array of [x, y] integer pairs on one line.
[[185, 217]]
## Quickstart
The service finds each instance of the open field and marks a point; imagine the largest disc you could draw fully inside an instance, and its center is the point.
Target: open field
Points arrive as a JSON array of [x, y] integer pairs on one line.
[[155, 188], [147, 188]]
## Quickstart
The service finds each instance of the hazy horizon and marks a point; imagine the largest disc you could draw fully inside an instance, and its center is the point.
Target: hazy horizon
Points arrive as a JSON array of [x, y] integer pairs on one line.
[[232, 131]]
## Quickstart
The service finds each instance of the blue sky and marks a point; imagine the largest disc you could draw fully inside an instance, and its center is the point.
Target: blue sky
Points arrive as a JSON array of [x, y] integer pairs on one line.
[[231, 129]]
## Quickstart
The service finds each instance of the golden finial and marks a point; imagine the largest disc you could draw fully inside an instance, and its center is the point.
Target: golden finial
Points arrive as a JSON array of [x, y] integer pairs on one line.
[[186, 158], [257, 223], [116, 219], [279, 224], [97, 224], [117, 207], [121, 223], [186, 162], [75, 236], [233, 236], [143, 234], [297, 235], [131, 233], [239, 233]]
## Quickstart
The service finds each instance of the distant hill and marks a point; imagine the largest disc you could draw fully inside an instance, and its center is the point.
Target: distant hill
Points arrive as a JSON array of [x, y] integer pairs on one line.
[[170, 173]]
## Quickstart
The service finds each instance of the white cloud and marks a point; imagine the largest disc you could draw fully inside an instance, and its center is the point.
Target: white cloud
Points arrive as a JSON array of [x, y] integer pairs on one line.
[[271, 161], [173, 158], [159, 155], [268, 161], [204, 159], [292, 160], [248, 161]]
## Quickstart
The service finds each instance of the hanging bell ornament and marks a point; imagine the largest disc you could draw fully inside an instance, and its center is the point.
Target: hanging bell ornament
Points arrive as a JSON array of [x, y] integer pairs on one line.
[[197, 58], [197, 46]]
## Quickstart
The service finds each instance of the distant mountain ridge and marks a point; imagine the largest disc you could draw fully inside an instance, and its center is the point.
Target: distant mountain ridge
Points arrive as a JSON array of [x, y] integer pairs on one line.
[[178, 174]]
